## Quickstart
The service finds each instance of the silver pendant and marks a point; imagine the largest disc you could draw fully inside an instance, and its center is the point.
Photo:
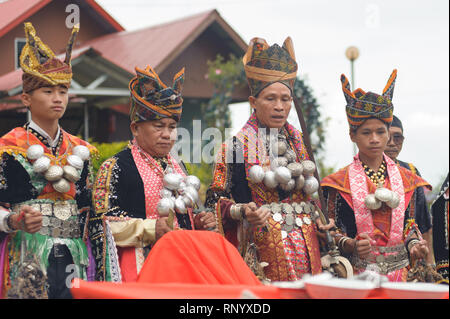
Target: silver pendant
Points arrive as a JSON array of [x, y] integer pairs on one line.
[[394, 202], [256, 174], [283, 234], [41, 165], [75, 161], [61, 186], [165, 205], [299, 182], [288, 186], [172, 181], [269, 180], [34, 152], [372, 202], [306, 220], [282, 175], [279, 148], [82, 152], [193, 181], [54, 173], [298, 221], [308, 167], [71, 173], [383, 194], [180, 206], [311, 185], [295, 168]]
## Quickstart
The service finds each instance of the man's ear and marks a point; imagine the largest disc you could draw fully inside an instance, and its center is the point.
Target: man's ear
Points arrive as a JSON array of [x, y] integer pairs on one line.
[[352, 134], [134, 128], [26, 99], [252, 101]]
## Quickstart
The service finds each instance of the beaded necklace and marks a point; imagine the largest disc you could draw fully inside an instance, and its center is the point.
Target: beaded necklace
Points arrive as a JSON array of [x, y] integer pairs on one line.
[[377, 177]]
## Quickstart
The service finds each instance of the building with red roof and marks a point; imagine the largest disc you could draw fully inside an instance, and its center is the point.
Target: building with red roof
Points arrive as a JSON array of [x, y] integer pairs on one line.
[[103, 62]]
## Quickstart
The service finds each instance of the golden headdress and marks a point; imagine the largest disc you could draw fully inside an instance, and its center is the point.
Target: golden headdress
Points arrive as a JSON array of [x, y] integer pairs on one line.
[[40, 65]]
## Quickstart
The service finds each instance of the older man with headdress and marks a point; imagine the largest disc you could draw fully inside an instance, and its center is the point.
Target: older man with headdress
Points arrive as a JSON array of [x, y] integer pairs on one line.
[[262, 177], [372, 199], [135, 189]]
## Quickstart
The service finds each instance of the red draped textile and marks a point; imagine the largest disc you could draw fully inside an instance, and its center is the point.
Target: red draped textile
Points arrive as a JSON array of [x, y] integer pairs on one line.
[[200, 257]]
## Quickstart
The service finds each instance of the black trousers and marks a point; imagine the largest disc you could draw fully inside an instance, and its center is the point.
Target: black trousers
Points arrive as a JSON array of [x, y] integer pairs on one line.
[[59, 271]]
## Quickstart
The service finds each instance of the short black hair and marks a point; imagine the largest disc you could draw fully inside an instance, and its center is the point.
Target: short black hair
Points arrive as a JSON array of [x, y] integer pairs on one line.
[[396, 123]]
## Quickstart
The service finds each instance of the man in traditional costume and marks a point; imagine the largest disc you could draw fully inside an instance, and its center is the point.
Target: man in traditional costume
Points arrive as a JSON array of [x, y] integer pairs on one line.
[[138, 190], [439, 211], [372, 200], [423, 216], [262, 177], [45, 194]]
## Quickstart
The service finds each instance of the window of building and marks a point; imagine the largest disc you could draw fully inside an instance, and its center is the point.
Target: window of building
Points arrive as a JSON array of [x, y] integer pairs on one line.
[[19, 43]]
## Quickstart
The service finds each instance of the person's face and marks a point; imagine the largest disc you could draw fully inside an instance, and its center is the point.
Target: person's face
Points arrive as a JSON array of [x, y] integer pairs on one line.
[[371, 138], [395, 142], [272, 105], [47, 103], [155, 137]]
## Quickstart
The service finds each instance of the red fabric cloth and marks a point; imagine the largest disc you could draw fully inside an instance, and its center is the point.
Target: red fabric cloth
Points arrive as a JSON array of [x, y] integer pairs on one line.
[[197, 257], [127, 261], [138, 290]]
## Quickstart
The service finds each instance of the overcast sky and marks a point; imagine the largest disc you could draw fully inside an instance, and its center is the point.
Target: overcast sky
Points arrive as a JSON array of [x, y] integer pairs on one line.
[[411, 36]]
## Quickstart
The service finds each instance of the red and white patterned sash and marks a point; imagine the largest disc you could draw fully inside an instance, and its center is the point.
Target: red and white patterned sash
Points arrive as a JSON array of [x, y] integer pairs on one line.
[[359, 191], [152, 178]]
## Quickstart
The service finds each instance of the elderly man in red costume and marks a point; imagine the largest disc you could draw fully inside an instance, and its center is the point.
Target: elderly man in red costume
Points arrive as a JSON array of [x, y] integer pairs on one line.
[[262, 178], [143, 192], [373, 200]]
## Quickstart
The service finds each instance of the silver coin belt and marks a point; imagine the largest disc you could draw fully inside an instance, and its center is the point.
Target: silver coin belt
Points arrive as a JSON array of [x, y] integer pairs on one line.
[[56, 220], [386, 263], [291, 216]]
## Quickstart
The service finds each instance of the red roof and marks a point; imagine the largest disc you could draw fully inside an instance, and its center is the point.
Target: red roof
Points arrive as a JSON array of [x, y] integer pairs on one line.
[[14, 12], [153, 45], [156, 46]]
